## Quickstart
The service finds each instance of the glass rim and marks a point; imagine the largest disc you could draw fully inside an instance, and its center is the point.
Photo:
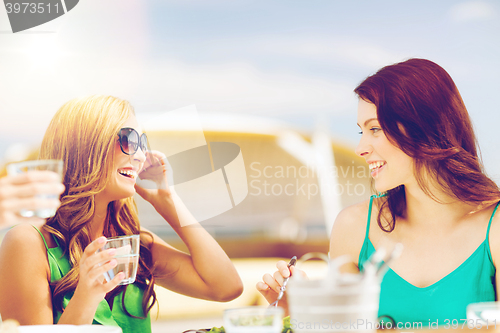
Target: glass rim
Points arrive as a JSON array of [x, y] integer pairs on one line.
[[35, 162], [122, 237]]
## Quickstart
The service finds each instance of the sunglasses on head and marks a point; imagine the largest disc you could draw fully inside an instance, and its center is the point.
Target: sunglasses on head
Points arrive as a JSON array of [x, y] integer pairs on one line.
[[130, 141]]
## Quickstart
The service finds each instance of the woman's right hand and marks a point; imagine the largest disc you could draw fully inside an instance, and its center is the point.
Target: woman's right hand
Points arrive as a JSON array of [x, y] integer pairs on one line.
[[92, 285], [270, 285]]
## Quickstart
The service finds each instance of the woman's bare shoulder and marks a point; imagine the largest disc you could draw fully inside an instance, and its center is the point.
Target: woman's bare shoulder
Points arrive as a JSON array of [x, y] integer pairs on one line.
[[349, 231], [354, 216], [22, 246], [23, 235]]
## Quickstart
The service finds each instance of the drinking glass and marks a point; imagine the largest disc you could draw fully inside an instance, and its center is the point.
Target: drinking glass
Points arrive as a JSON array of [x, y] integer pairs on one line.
[[337, 302], [39, 165], [127, 257]]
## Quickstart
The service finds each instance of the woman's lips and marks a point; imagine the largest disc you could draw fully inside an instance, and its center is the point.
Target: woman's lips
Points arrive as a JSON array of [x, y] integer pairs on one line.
[[127, 173], [376, 168]]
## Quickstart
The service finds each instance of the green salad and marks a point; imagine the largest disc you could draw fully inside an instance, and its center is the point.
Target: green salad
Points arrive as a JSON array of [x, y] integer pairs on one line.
[[286, 327]]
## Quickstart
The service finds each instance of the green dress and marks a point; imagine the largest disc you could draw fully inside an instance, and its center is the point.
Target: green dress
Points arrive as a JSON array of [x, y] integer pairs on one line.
[[441, 303], [60, 266]]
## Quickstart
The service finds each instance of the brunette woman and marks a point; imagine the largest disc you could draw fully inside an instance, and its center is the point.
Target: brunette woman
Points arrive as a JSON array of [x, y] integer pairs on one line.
[[434, 198]]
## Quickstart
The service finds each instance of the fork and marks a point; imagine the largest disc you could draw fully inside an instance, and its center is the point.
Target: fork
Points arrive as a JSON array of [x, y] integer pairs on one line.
[[292, 262]]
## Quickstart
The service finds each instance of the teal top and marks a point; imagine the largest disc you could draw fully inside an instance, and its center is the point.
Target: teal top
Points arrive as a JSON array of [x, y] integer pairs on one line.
[[60, 266], [401, 302]]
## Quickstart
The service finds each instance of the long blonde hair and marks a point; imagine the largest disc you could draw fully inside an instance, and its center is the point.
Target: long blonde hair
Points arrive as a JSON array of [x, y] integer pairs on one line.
[[83, 135]]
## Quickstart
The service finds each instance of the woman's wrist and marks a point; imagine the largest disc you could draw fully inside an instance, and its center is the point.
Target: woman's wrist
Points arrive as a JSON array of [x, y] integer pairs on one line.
[[168, 209], [80, 310], [85, 299]]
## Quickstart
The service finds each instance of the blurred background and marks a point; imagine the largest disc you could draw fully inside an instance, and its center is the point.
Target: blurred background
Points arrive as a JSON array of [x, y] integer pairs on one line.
[[273, 77]]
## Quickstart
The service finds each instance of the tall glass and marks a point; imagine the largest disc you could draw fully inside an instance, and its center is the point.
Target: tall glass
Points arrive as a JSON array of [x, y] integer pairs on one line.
[[38, 165]]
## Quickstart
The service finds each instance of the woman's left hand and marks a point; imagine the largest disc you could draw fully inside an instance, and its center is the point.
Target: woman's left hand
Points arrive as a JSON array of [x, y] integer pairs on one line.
[[155, 170]]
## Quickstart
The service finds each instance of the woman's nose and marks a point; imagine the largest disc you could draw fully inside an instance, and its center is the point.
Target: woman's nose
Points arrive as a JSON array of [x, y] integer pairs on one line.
[[363, 147], [139, 155]]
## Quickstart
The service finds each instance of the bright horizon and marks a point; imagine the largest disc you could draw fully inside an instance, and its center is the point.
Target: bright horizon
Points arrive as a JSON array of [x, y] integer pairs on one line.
[[292, 62]]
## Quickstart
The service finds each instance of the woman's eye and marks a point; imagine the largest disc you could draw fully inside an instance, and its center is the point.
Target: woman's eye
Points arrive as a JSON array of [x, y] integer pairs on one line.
[[373, 129]]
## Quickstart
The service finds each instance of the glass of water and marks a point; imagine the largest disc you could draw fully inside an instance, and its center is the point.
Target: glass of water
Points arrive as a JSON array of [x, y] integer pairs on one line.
[[38, 165], [127, 257]]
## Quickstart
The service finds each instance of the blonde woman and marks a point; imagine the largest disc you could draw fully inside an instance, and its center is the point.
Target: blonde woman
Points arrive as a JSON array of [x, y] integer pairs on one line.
[[52, 274]]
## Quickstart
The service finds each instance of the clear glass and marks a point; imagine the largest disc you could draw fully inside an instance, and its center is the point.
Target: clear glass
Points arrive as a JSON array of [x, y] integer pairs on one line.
[[254, 319], [335, 302], [40, 165], [127, 257]]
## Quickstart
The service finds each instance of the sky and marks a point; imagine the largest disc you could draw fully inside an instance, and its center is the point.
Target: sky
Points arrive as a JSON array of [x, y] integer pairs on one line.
[[296, 62]]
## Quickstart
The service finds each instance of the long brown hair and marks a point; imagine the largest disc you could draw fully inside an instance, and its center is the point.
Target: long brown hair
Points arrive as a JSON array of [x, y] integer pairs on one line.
[[421, 112], [83, 135]]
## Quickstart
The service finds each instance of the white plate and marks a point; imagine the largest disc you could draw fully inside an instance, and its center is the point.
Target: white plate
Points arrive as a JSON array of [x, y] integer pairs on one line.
[[69, 329], [485, 312]]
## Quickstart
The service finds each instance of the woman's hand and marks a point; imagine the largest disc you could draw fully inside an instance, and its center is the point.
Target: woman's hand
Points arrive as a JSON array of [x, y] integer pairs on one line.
[[155, 170], [91, 288], [270, 285], [161, 197], [93, 265], [20, 192]]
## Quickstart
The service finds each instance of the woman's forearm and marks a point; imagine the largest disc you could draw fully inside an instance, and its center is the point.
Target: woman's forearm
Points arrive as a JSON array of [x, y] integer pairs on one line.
[[209, 259], [79, 311]]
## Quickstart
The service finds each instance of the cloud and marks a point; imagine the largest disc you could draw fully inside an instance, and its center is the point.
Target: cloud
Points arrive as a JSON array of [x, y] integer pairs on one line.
[[93, 49], [330, 50], [472, 11], [358, 53], [162, 85], [42, 71], [242, 88]]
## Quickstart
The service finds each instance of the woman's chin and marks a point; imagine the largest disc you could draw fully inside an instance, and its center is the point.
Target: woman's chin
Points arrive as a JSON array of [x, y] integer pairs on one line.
[[125, 195], [382, 188]]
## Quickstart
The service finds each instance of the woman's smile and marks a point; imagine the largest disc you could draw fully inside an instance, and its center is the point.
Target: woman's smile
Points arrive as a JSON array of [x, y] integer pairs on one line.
[[376, 167], [128, 173]]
